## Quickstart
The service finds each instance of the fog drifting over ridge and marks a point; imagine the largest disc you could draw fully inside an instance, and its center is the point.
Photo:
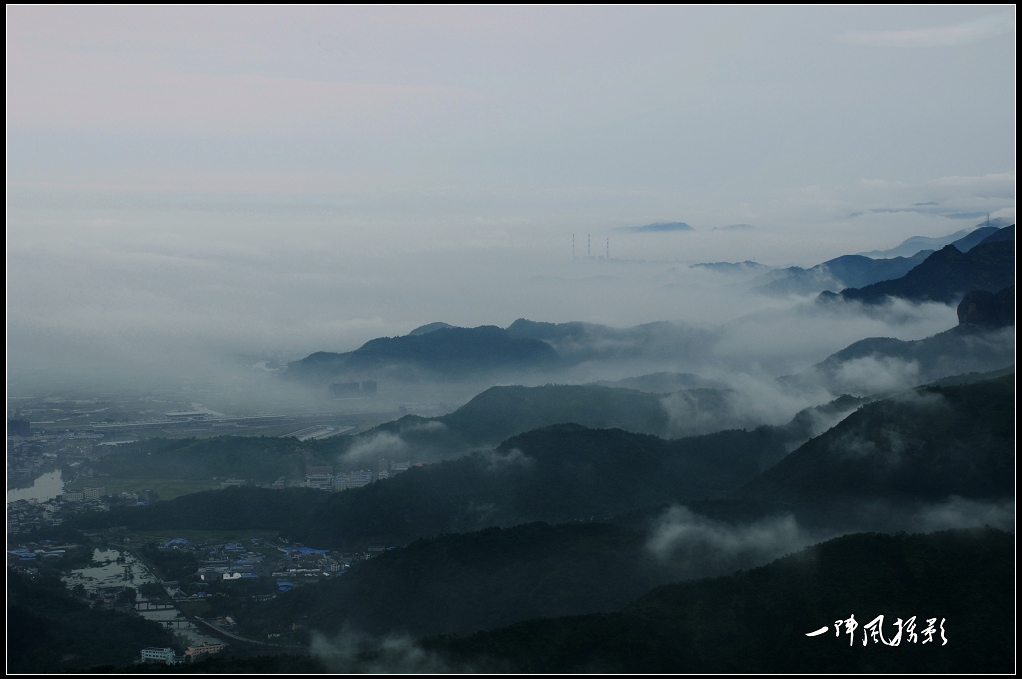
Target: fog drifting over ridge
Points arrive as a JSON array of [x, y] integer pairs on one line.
[[186, 187], [153, 294]]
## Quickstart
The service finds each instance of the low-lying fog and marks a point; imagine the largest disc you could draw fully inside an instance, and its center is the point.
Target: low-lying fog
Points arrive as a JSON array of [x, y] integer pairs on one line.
[[157, 297], [190, 195]]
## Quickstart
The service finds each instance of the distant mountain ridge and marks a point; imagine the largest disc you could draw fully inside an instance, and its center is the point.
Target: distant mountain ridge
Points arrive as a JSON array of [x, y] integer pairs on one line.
[[577, 342], [436, 352], [733, 268], [858, 271], [430, 327], [659, 227], [946, 275], [912, 245], [841, 272], [441, 351]]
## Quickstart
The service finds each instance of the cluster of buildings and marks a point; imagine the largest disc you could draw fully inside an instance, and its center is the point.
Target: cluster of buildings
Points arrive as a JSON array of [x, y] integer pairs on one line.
[[234, 561], [168, 656], [322, 477], [35, 552], [84, 495], [32, 452], [290, 565], [24, 516], [229, 561], [306, 562], [120, 597]]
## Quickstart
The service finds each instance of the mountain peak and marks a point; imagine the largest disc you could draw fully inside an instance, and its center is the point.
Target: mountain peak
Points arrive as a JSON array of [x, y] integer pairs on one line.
[[430, 327], [658, 227]]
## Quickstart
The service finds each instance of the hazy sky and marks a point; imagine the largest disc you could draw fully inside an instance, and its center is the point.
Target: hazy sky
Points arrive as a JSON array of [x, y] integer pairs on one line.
[[290, 179]]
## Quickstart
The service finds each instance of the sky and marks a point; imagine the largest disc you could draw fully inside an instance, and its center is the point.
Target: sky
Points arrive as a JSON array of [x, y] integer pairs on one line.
[[186, 181]]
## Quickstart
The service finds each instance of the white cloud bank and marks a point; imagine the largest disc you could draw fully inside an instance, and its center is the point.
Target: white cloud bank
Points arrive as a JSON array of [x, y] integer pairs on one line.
[[935, 36]]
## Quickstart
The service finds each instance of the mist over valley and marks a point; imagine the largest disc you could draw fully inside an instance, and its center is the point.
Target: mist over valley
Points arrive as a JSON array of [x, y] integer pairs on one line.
[[511, 340]]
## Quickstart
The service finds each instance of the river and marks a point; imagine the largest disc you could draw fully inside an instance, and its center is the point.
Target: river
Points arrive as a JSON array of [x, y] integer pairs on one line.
[[45, 487]]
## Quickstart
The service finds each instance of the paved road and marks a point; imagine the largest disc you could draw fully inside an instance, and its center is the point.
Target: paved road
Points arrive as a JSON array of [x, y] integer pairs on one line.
[[231, 635]]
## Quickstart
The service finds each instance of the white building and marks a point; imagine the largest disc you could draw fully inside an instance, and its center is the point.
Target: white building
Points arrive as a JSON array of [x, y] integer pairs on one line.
[[92, 493], [353, 480], [164, 655]]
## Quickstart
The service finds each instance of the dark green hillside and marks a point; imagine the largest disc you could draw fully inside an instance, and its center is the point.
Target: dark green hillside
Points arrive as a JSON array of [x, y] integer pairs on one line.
[[486, 420], [260, 459], [556, 474], [540, 330], [446, 352], [988, 309], [964, 348], [49, 630], [664, 382], [228, 509], [560, 473], [757, 621], [489, 418], [454, 351], [925, 444], [282, 663], [318, 368], [972, 378], [471, 581], [947, 275], [500, 412]]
